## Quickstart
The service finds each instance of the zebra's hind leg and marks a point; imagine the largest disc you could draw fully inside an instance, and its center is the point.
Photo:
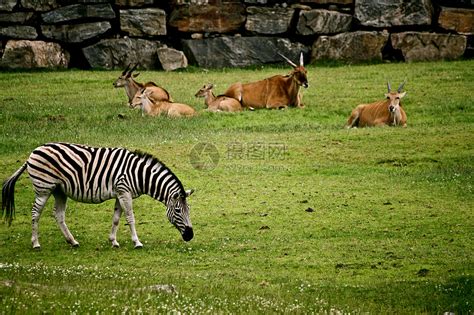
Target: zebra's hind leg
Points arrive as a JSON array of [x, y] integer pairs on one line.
[[125, 200], [60, 215], [40, 202], [115, 223]]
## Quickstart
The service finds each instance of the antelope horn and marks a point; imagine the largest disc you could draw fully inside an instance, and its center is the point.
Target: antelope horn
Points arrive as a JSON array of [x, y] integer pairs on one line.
[[133, 69], [301, 60], [388, 87], [126, 69], [288, 60], [401, 86]]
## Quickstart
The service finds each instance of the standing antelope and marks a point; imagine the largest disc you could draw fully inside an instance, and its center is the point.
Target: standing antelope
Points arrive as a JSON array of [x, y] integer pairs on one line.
[[385, 112], [153, 108], [275, 92], [94, 175], [220, 103], [131, 86]]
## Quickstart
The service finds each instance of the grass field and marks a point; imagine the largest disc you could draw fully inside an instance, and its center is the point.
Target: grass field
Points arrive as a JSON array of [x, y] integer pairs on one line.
[[298, 215]]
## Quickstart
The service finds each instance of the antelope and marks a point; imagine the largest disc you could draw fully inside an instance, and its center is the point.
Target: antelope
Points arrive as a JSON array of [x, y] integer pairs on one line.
[[131, 86], [219, 103], [277, 92], [153, 108], [385, 112]]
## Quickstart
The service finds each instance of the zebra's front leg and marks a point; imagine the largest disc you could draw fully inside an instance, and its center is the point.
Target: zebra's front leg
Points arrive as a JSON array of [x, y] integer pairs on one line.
[[125, 200], [60, 215], [115, 223]]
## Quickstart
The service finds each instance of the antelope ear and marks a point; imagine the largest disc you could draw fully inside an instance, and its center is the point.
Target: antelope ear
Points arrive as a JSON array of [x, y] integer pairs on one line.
[[189, 192], [136, 74], [403, 94], [387, 95]]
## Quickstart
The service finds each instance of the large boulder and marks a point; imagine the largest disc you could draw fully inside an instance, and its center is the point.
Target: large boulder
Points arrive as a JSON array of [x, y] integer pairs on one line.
[[75, 33], [378, 13], [15, 17], [7, 5], [171, 59], [269, 20], [79, 11], [353, 46], [143, 22], [39, 5], [416, 46], [34, 54], [340, 2], [133, 3], [223, 18], [18, 31], [323, 22], [458, 20], [119, 53], [240, 51]]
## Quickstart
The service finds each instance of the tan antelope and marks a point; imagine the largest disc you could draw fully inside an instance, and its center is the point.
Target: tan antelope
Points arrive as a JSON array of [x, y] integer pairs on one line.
[[131, 86], [220, 103], [385, 112], [276, 92], [152, 108]]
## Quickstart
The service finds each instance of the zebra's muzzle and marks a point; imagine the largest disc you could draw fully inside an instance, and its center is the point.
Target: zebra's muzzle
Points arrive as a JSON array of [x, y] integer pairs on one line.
[[188, 234]]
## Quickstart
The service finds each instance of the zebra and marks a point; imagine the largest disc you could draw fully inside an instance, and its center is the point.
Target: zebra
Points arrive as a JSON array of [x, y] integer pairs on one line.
[[93, 175]]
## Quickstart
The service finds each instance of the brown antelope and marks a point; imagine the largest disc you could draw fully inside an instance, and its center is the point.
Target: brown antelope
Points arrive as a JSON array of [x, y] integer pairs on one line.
[[153, 108], [220, 103], [131, 86], [276, 92], [386, 112]]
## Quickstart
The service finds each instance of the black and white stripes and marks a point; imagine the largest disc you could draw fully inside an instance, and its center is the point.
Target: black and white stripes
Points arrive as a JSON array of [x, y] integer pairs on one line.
[[93, 175]]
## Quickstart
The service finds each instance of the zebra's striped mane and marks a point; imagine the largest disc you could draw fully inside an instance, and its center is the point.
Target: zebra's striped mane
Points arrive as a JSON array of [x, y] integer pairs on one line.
[[154, 160]]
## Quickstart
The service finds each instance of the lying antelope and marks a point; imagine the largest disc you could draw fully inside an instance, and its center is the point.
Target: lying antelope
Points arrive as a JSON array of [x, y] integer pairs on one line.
[[220, 103], [153, 108], [275, 92], [131, 86], [386, 112]]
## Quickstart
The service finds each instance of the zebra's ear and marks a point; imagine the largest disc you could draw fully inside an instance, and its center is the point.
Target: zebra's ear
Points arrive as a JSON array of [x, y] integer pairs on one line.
[[189, 192]]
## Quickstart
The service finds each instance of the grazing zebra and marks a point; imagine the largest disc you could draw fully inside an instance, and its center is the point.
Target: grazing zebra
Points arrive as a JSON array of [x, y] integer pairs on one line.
[[93, 175]]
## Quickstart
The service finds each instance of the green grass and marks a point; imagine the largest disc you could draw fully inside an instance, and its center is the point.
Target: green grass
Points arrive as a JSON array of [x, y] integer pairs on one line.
[[392, 225]]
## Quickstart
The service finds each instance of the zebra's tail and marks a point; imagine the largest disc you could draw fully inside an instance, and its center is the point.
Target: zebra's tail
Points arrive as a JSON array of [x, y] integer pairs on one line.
[[8, 195]]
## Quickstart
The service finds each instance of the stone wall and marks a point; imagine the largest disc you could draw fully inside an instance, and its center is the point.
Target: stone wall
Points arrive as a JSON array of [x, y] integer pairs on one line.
[[166, 34]]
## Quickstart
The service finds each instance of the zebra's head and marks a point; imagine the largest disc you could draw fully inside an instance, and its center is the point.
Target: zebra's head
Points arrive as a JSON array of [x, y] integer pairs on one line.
[[178, 214]]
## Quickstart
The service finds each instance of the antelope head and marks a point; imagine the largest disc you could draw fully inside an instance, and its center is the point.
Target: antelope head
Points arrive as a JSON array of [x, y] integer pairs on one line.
[[204, 90], [139, 97], [122, 80], [299, 73], [394, 97]]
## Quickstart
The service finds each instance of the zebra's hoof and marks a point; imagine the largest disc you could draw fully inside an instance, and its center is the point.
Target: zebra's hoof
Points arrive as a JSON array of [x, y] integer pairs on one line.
[[37, 247], [139, 246], [75, 245], [115, 245]]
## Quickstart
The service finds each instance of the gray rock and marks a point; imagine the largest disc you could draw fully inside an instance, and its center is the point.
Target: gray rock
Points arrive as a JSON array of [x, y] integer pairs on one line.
[[118, 53], [323, 22], [268, 20], [39, 5], [223, 18], [340, 2], [378, 13], [79, 11], [34, 54], [7, 5], [15, 17], [143, 22], [240, 51], [19, 32], [171, 59], [458, 20], [133, 3], [416, 46], [353, 46], [75, 33]]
